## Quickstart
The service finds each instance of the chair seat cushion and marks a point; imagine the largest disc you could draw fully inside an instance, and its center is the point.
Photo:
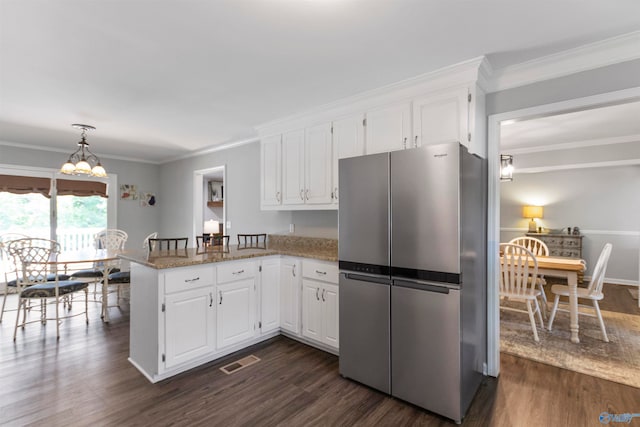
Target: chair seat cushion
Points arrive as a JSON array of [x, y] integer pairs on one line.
[[563, 290], [45, 290], [91, 273], [50, 278], [120, 277]]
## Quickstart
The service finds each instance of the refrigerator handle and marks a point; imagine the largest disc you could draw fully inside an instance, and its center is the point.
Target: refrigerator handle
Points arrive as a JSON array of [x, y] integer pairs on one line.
[[363, 278], [421, 286]]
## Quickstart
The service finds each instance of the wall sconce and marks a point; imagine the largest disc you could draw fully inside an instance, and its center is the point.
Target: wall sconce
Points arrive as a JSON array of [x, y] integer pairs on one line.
[[532, 212], [506, 167]]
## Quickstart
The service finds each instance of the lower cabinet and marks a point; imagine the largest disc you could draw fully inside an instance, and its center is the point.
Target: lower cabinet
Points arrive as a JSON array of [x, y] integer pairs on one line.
[[290, 274], [235, 320], [270, 295], [189, 325], [320, 311]]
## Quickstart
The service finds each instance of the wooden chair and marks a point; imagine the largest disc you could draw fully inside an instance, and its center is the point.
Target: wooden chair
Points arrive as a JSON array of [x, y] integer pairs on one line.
[[37, 262], [159, 244], [537, 248], [518, 276], [593, 292]]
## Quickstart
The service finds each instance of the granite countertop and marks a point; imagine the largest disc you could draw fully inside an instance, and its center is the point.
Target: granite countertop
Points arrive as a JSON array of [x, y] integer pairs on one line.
[[316, 248]]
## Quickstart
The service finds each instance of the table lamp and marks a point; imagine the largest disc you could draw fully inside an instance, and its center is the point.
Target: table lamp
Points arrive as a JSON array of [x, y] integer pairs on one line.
[[532, 212], [211, 227]]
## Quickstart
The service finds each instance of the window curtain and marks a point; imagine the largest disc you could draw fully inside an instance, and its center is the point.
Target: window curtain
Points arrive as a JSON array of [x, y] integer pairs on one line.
[[72, 187], [25, 185]]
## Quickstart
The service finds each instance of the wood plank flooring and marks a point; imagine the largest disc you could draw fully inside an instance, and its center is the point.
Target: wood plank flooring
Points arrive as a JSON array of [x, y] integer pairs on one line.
[[85, 379]]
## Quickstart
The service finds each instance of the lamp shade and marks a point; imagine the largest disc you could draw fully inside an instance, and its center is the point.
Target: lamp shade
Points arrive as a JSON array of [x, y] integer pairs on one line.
[[211, 227], [532, 212]]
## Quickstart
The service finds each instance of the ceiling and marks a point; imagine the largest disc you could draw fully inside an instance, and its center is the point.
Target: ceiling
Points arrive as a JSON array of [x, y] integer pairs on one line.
[[162, 79]]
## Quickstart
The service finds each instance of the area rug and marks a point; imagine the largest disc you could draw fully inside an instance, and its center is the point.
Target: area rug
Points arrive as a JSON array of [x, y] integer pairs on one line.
[[618, 360]]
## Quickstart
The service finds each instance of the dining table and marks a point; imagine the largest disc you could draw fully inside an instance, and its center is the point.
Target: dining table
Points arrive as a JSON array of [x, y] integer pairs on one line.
[[567, 268], [104, 259]]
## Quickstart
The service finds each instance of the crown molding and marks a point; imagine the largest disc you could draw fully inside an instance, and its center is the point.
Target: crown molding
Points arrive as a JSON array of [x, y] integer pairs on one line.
[[204, 151], [475, 70], [587, 57], [573, 145], [587, 165]]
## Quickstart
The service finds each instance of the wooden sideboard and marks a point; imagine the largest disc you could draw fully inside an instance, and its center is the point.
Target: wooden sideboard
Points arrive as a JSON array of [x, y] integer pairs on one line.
[[565, 245]]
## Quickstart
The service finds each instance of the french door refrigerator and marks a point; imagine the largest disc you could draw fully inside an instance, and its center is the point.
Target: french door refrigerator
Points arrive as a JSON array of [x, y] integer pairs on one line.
[[412, 255]]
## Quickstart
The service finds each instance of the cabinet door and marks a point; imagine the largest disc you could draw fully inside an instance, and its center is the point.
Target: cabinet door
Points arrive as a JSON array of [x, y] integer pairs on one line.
[[189, 325], [311, 310], [293, 167], [348, 141], [318, 164], [388, 128], [271, 184], [235, 312], [330, 316], [290, 295], [270, 295], [441, 117]]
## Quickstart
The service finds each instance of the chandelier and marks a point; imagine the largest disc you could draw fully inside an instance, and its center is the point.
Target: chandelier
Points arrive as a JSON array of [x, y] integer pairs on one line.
[[82, 161]]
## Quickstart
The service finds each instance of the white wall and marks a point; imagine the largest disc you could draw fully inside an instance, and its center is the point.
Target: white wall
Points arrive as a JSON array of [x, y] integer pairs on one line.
[[137, 221]]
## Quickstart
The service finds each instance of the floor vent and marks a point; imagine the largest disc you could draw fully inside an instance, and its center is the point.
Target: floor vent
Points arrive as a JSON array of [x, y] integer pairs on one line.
[[239, 364]]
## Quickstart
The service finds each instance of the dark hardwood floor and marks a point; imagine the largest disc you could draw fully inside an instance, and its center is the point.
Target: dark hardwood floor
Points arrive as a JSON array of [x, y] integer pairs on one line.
[[85, 379]]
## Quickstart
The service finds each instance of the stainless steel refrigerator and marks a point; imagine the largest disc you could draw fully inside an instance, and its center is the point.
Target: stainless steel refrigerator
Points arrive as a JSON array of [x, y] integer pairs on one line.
[[412, 255]]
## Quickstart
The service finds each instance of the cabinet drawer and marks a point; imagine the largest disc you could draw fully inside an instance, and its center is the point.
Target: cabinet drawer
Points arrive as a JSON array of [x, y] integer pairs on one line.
[[187, 278], [318, 270], [235, 271]]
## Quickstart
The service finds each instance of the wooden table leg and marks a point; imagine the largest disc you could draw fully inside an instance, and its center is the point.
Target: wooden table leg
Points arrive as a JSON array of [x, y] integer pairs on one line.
[[572, 281]]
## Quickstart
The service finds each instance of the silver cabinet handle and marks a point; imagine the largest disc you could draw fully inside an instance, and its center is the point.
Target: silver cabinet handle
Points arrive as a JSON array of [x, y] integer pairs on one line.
[[415, 142], [278, 197], [317, 297], [404, 143], [237, 272], [210, 299], [306, 194], [332, 196], [302, 194], [321, 272], [220, 293], [323, 295], [293, 272], [191, 280], [336, 192]]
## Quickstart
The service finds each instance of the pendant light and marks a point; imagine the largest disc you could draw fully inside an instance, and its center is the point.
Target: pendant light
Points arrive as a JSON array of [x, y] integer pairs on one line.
[[82, 161]]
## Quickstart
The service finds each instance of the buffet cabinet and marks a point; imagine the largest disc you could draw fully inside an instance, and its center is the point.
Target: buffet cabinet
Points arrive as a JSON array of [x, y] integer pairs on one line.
[[563, 245]]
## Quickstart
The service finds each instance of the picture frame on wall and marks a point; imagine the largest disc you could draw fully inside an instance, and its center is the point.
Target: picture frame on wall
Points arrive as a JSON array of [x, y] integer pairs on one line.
[[216, 191]]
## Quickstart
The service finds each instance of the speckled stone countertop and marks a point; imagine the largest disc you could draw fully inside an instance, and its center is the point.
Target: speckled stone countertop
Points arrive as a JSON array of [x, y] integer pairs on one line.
[[298, 246]]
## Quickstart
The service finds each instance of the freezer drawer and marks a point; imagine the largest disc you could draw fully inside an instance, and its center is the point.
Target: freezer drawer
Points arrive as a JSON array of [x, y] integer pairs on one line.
[[425, 344], [364, 330]]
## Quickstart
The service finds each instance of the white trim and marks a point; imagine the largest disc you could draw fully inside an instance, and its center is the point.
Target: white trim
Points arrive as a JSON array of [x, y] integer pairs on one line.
[[573, 145], [587, 57], [493, 219], [212, 149], [583, 232], [613, 281], [589, 165]]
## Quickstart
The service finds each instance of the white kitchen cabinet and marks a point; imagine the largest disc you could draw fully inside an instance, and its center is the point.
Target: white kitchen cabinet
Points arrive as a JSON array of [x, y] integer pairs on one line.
[[348, 141], [320, 302], [270, 295], [318, 165], [271, 171], [236, 308], [442, 117], [293, 187], [189, 325], [388, 128], [290, 275]]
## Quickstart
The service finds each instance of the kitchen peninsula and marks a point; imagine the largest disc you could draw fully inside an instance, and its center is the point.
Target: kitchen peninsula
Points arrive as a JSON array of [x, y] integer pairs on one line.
[[192, 306]]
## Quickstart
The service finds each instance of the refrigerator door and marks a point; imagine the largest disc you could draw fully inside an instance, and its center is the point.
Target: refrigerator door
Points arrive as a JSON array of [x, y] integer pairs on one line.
[[425, 213], [425, 344], [363, 217], [365, 330]]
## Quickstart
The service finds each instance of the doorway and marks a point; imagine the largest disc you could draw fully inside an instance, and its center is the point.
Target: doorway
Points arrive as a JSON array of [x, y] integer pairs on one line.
[[494, 215], [209, 198]]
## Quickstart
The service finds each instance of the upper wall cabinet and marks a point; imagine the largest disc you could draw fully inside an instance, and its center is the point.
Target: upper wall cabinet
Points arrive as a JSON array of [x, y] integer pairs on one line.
[[293, 167], [271, 169], [441, 117], [348, 141], [318, 163], [388, 128]]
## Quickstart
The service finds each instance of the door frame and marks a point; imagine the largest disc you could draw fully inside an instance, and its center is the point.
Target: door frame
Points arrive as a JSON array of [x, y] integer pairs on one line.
[[198, 198], [493, 206]]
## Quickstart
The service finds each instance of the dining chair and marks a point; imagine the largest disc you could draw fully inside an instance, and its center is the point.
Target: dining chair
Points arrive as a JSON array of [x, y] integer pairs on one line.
[[8, 266], [167, 243], [537, 248], [592, 292], [215, 240], [518, 276], [246, 241], [37, 262]]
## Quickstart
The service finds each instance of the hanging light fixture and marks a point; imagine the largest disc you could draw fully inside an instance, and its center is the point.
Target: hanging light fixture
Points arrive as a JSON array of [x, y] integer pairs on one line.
[[506, 167], [82, 161]]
